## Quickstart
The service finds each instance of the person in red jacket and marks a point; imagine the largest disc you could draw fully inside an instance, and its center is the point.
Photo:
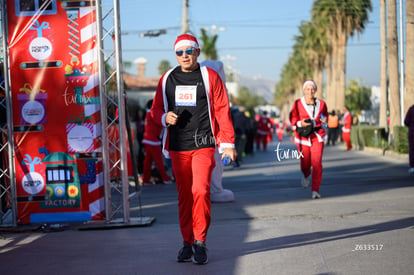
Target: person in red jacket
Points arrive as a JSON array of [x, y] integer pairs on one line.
[[280, 127], [152, 144], [305, 111], [346, 128], [191, 102], [264, 130]]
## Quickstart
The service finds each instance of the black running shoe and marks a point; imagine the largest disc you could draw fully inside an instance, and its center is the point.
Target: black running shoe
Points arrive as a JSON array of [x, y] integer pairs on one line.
[[185, 253], [199, 253]]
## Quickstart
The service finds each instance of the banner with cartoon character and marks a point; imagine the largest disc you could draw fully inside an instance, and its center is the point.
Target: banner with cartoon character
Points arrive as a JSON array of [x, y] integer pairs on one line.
[[56, 110]]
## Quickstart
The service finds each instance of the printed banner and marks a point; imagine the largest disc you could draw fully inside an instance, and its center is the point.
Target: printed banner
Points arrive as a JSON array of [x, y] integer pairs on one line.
[[56, 110]]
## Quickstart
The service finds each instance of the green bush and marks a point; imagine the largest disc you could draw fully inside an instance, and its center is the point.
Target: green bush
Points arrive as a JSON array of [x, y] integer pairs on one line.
[[368, 136], [401, 139], [355, 137], [372, 136]]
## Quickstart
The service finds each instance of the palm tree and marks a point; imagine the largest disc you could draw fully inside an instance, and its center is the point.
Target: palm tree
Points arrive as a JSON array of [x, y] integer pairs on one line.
[[324, 15], [305, 62], [392, 52], [163, 67], [409, 65], [209, 45], [384, 75], [344, 18], [325, 55], [302, 52], [286, 90], [312, 41]]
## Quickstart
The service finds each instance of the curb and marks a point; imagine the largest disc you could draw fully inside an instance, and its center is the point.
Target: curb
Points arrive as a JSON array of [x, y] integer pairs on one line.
[[386, 153]]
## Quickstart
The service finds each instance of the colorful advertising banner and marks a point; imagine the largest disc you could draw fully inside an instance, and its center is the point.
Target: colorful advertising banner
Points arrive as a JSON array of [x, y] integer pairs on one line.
[[56, 111]]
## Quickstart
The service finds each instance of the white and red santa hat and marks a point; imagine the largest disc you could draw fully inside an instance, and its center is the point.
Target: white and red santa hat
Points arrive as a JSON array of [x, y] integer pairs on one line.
[[186, 40], [310, 81]]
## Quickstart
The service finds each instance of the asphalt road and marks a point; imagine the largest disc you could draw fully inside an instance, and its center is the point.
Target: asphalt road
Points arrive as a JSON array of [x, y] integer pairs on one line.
[[363, 224]]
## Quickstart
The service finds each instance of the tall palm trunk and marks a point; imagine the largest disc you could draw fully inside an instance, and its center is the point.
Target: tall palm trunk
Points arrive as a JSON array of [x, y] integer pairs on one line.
[[330, 75], [341, 70], [409, 65], [395, 108], [284, 112], [384, 76], [318, 77], [336, 71]]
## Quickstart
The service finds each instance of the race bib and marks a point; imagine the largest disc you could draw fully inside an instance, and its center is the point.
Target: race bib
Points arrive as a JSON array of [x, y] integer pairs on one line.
[[185, 95]]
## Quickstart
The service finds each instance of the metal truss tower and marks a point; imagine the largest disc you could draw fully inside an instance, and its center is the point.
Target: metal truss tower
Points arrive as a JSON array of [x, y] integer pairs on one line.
[[8, 202]]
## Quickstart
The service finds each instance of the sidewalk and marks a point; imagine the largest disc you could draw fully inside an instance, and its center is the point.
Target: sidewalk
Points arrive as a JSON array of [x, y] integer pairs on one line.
[[362, 225], [386, 153]]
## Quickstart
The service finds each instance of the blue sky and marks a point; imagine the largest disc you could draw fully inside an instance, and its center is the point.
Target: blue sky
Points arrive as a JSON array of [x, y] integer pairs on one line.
[[257, 39]]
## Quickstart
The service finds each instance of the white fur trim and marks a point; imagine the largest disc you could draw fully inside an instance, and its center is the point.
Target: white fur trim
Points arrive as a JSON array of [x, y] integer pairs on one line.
[[163, 120], [224, 146], [309, 82], [183, 43], [150, 142], [303, 142]]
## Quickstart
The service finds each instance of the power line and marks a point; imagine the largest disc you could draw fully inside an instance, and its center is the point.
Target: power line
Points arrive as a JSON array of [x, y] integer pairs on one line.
[[250, 48], [162, 30]]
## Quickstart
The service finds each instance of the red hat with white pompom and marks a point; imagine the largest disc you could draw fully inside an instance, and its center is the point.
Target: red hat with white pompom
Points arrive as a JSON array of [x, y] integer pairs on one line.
[[186, 40]]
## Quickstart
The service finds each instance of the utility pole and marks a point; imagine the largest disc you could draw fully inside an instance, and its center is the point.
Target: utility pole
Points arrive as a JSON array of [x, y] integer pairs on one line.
[[184, 27], [384, 67], [401, 41]]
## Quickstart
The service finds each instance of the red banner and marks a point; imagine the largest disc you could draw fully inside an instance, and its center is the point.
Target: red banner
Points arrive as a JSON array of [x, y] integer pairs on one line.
[[56, 112]]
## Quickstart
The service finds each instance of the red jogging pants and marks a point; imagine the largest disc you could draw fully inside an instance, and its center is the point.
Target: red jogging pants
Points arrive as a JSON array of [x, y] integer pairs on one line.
[[192, 170], [346, 136], [154, 153], [261, 140], [312, 158]]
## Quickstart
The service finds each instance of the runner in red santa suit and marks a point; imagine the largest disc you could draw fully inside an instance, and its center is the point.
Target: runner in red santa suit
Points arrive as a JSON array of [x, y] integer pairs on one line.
[[264, 130], [280, 126], [346, 128], [191, 101], [152, 144], [305, 111]]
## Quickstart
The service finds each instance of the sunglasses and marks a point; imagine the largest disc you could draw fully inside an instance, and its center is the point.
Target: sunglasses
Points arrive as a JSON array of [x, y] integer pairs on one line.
[[189, 51]]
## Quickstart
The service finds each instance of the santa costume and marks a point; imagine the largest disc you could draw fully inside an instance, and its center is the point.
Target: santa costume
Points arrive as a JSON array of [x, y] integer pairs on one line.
[[311, 147]]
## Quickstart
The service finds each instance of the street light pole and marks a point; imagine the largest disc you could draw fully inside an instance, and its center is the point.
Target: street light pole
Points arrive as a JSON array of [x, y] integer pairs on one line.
[[402, 109], [184, 26]]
